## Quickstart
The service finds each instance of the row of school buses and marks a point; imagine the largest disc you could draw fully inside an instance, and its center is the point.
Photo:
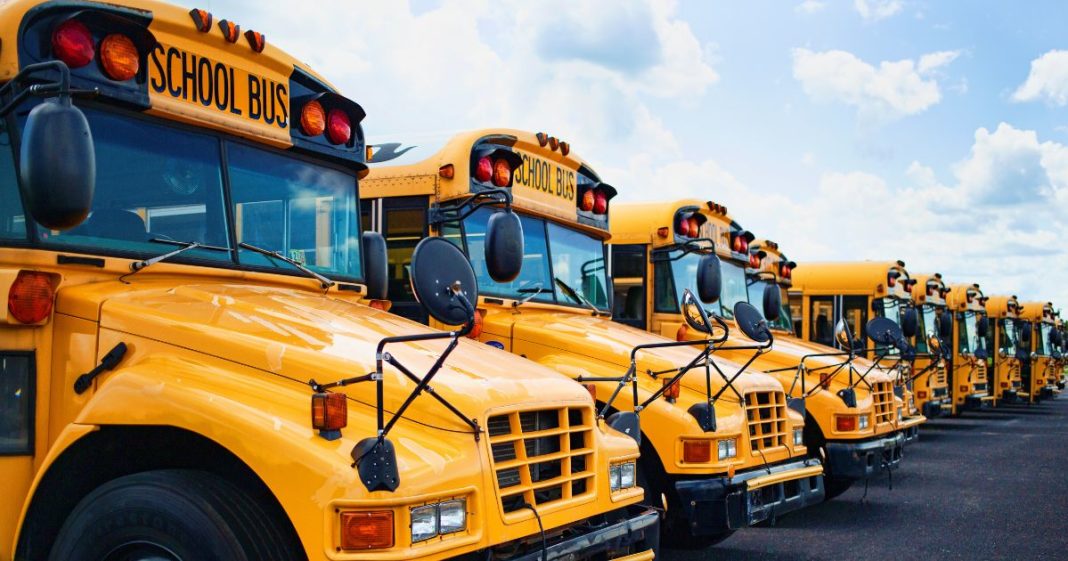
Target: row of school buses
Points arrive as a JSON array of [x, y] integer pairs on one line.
[[227, 338]]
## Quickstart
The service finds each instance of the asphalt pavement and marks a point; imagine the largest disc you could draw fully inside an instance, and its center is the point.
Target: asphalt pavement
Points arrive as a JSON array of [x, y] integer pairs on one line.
[[986, 485]]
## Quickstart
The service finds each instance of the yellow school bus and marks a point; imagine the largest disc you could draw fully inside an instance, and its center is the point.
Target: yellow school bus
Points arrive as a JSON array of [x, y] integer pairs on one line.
[[1039, 377], [932, 344], [719, 444], [1060, 360], [853, 429], [968, 366], [1006, 353], [196, 361]]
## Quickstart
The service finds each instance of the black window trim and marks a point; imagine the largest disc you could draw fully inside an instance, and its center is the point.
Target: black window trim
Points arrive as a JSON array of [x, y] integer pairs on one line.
[[31, 389]]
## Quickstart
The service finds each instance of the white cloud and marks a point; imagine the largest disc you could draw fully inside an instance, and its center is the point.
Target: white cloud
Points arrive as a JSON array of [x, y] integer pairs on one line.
[[810, 7], [1047, 80], [889, 91], [875, 10]]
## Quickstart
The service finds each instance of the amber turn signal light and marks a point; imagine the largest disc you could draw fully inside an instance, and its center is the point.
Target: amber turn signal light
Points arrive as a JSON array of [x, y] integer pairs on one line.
[[671, 390], [330, 414], [367, 530], [119, 57], [29, 300], [697, 451]]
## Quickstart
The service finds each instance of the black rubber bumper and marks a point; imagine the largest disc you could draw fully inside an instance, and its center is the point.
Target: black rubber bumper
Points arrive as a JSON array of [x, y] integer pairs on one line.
[[932, 409], [975, 402], [861, 460], [639, 532], [912, 434], [1047, 393], [714, 506], [1010, 396]]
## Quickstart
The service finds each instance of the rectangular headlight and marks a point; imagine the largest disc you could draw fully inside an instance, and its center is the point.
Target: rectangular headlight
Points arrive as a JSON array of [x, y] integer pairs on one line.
[[727, 448], [863, 422], [424, 522], [627, 475], [452, 516], [799, 437], [614, 473]]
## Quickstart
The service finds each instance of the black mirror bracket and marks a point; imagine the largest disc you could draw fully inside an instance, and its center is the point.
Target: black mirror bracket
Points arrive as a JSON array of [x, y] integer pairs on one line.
[[496, 196], [16, 89]]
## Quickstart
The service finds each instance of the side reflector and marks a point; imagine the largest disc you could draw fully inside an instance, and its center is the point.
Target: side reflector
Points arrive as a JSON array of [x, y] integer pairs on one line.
[[313, 119], [447, 171], [330, 413], [367, 530], [922, 394], [592, 388], [73, 44], [379, 305], [476, 329], [697, 451], [662, 231], [825, 380], [119, 57], [682, 334], [673, 390], [845, 423], [30, 298]]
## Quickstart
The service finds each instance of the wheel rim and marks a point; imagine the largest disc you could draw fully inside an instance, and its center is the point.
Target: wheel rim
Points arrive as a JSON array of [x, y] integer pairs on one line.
[[141, 551]]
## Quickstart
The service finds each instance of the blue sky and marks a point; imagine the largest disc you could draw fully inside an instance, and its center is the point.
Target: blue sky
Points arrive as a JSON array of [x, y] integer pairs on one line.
[[933, 132]]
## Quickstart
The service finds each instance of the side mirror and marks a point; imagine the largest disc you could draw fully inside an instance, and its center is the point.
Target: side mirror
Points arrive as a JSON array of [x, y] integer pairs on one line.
[[57, 165], [504, 246], [884, 331], [843, 335], [772, 302], [375, 266], [945, 325], [444, 281], [909, 322], [751, 322], [982, 326], [933, 342], [694, 313], [709, 280]]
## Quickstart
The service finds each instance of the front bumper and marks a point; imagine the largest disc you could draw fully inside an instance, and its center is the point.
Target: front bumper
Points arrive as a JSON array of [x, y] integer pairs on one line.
[[637, 537], [1010, 396], [861, 460], [714, 506], [977, 401], [933, 408], [910, 427], [1047, 392]]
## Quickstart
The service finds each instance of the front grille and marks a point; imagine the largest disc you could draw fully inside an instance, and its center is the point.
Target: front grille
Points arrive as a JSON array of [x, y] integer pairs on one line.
[[940, 377], [981, 372], [883, 399], [980, 387], [940, 392], [542, 456], [766, 417]]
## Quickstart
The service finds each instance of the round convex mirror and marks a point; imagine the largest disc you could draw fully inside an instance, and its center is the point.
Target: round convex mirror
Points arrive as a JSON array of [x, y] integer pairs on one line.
[[751, 322], [441, 274], [694, 313], [884, 331], [843, 335]]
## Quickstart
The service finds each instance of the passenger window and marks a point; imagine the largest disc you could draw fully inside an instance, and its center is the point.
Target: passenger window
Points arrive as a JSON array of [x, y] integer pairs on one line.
[[821, 328], [855, 312], [404, 229], [628, 282], [664, 287], [16, 403]]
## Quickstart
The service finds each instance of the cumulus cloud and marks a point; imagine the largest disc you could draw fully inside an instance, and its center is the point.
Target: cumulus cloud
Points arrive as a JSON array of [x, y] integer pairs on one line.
[[810, 7], [892, 90], [875, 10], [1047, 80]]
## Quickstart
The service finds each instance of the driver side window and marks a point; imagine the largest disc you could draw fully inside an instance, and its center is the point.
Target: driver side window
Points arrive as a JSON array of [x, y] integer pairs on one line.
[[12, 219]]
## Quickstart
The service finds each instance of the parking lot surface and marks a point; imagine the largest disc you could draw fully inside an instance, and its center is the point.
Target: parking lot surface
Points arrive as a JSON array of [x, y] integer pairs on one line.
[[987, 485]]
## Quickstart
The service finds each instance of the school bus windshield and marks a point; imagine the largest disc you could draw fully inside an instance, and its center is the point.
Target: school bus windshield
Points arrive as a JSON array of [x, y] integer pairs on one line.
[[969, 338], [675, 274], [926, 326], [1042, 344], [157, 184], [1008, 337], [560, 265], [756, 297], [734, 289]]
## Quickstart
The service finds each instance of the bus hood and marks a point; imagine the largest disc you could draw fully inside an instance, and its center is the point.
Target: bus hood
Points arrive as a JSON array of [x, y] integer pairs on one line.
[[301, 335], [788, 351], [602, 339]]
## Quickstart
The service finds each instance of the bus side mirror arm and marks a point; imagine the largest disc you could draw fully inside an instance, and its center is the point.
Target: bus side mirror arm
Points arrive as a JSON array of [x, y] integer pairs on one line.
[[468, 206]]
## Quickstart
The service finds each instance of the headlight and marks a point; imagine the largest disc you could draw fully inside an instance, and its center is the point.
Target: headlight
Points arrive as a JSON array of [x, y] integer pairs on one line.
[[727, 448], [622, 476], [799, 437], [436, 519], [863, 420]]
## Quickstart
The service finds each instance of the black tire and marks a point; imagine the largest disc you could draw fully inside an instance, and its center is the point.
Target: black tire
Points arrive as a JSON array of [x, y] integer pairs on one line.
[[171, 515], [834, 486], [675, 534]]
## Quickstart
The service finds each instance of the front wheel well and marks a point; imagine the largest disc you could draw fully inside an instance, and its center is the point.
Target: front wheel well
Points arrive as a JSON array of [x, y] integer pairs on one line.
[[116, 451]]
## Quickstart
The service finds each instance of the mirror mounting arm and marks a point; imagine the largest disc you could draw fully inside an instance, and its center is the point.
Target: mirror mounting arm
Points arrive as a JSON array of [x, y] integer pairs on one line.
[[457, 213], [61, 88]]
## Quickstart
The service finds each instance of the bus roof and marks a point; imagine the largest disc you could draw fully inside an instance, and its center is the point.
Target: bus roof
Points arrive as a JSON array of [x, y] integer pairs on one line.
[[645, 222], [548, 177], [774, 261], [924, 281], [998, 306], [852, 277], [963, 297], [1037, 311], [195, 67]]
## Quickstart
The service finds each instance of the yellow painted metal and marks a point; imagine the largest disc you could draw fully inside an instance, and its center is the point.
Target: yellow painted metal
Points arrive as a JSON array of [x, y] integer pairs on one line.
[[641, 223], [1043, 367], [968, 371], [1005, 365]]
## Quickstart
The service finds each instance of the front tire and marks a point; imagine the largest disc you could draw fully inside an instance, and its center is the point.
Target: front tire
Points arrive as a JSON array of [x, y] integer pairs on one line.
[[171, 515]]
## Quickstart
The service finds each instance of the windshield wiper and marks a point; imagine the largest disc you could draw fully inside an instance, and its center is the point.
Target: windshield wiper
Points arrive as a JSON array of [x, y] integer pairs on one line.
[[323, 281], [532, 291], [576, 295], [185, 246]]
